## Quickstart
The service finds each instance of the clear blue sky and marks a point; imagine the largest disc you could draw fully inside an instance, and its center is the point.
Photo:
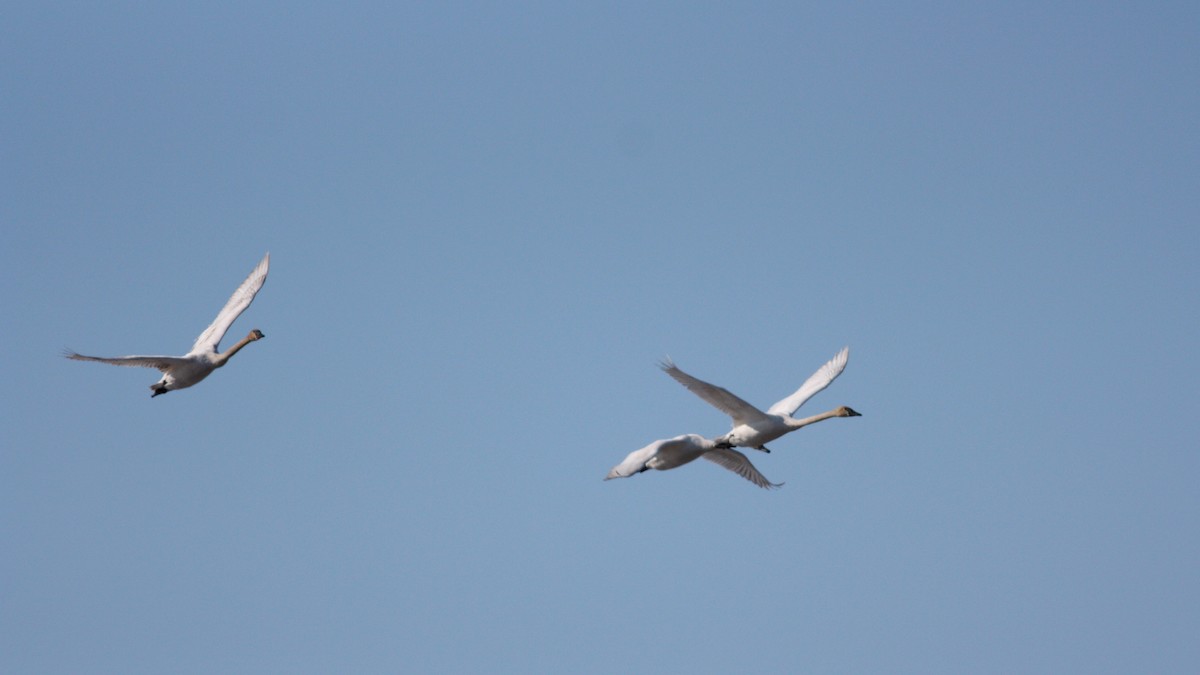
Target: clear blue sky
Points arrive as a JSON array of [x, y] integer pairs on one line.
[[488, 222]]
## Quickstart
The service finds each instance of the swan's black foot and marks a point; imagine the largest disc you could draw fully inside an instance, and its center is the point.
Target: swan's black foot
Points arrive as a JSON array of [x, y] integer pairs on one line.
[[724, 445], [160, 390]]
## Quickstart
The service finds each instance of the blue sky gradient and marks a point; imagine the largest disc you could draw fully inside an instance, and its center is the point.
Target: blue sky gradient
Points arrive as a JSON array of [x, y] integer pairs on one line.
[[487, 223]]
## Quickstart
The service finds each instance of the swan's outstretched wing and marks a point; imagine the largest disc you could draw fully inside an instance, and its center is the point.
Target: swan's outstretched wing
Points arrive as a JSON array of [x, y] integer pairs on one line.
[[718, 397], [816, 382], [162, 363], [739, 464], [238, 302], [635, 461]]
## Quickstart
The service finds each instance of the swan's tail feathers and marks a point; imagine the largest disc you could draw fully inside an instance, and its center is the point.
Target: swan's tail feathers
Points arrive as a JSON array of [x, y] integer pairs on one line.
[[616, 472]]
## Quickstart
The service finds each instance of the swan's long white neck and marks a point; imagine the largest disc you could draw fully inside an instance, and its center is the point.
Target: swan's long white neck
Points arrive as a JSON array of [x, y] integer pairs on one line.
[[794, 423], [221, 358]]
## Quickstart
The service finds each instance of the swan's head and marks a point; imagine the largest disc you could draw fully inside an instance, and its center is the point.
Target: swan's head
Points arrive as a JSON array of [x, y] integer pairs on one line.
[[257, 334], [847, 411]]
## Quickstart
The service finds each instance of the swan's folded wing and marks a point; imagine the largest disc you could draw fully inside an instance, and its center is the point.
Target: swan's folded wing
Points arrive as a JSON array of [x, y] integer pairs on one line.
[[162, 363], [718, 397], [815, 383], [739, 464], [238, 302]]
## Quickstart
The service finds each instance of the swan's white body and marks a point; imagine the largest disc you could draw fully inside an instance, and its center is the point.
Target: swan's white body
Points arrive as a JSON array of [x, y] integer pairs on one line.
[[753, 428], [674, 452], [180, 372]]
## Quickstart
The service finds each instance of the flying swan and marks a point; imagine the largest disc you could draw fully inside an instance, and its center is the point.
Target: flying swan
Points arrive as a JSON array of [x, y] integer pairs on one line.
[[674, 452], [753, 428], [180, 372]]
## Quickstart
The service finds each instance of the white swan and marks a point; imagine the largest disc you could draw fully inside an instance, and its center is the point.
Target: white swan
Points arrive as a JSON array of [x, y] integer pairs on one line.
[[753, 428], [672, 452], [180, 372]]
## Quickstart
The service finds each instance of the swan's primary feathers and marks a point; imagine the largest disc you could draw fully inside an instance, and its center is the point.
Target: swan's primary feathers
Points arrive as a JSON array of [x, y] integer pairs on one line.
[[184, 371]]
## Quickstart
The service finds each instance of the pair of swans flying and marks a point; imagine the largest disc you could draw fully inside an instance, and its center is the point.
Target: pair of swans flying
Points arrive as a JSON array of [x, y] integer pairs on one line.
[[752, 428], [180, 372]]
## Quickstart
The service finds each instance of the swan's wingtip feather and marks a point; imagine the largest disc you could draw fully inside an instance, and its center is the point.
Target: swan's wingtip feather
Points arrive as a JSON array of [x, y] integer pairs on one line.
[[840, 359]]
